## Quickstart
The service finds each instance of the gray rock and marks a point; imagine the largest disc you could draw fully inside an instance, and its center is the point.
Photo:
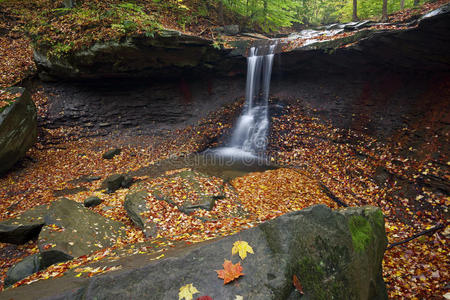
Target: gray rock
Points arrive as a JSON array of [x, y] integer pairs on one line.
[[29, 265], [127, 181], [231, 29], [32, 264], [111, 153], [79, 231], [18, 128], [204, 199], [135, 204], [21, 229], [92, 201], [334, 254], [113, 182]]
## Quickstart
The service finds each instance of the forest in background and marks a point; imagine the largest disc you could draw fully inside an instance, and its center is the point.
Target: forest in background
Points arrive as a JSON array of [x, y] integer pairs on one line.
[[273, 14]]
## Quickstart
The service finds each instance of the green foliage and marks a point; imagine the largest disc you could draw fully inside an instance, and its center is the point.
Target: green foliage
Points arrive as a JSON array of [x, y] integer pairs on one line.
[[271, 14], [361, 231]]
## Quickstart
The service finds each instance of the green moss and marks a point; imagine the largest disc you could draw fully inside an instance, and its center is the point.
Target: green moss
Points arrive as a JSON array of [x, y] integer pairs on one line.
[[361, 231], [378, 218], [311, 276]]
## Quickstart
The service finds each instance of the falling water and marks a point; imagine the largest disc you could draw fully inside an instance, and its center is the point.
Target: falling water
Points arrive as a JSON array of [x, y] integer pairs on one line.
[[250, 135]]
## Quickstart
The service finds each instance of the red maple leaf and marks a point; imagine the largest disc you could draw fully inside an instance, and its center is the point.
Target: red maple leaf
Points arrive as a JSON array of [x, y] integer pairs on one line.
[[297, 284], [230, 272], [204, 298]]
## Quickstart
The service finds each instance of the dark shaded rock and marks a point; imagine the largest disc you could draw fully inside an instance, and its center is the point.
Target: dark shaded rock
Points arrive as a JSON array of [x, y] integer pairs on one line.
[[420, 48], [69, 191], [92, 201], [381, 176], [32, 264], [18, 128], [332, 260], [127, 181], [136, 205], [111, 153], [29, 265], [113, 182], [72, 230], [23, 228], [167, 55], [117, 181]]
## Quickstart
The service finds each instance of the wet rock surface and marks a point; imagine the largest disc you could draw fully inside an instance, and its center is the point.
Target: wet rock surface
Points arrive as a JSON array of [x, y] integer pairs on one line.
[[323, 248]]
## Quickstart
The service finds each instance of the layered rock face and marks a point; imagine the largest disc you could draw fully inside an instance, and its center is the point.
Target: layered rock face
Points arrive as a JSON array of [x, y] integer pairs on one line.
[[334, 254], [169, 54], [18, 128]]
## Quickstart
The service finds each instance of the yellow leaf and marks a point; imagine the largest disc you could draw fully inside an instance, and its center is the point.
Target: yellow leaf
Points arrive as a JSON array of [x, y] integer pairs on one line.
[[186, 292], [242, 247], [78, 275]]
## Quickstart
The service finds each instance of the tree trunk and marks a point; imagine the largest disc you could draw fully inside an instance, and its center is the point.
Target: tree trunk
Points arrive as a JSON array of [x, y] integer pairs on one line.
[[220, 12], [416, 2], [355, 10], [402, 4], [265, 12], [384, 17]]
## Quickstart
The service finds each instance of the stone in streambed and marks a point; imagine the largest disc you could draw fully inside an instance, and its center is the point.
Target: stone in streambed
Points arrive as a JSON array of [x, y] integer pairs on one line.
[[117, 181], [136, 205], [26, 267], [72, 230], [92, 201], [21, 229], [111, 153]]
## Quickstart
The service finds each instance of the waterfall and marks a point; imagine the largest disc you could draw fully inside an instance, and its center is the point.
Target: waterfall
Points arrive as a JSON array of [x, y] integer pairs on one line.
[[250, 134]]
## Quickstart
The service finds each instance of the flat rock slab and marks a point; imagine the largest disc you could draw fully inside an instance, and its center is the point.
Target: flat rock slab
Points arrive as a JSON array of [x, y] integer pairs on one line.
[[200, 191], [333, 253], [75, 230]]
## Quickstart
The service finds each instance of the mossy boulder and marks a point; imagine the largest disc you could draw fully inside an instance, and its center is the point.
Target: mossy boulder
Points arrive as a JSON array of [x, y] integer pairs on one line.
[[18, 128]]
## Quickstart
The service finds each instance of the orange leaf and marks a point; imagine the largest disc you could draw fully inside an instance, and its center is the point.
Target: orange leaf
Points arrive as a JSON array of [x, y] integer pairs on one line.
[[297, 284], [230, 272]]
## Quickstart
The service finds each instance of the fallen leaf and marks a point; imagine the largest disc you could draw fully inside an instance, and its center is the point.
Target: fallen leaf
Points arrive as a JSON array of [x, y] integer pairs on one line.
[[297, 284], [239, 297], [242, 247], [204, 298], [186, 292], [230, 272]]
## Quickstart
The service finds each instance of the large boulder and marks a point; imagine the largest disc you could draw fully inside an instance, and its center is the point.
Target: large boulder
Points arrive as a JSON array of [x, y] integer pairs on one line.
[[334, 254], [18, 128], [72, 230]]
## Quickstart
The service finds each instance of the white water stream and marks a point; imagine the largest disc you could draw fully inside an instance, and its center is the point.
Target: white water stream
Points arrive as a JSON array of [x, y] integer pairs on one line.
[[249, 137]]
